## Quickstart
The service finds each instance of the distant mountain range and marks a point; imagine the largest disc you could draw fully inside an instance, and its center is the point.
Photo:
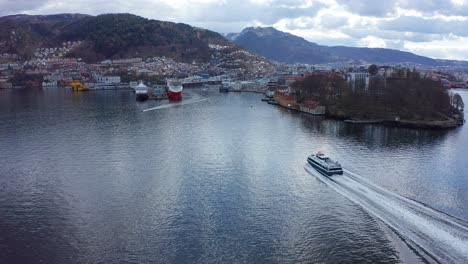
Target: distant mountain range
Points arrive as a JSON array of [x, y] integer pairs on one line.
[[116, 36], [287, 48], [109, 36]]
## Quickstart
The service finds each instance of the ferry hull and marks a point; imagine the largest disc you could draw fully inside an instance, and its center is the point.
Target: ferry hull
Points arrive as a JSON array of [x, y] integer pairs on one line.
[[174, 96], [323, 171], [142, 97], [223, 90]]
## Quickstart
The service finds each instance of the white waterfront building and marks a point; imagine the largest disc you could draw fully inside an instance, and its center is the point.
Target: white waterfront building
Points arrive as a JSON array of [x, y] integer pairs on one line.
[[108, 79], [358, 81]]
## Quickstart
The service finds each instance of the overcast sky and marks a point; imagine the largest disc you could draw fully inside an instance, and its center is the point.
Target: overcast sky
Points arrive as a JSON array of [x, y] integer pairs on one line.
[[434, 28]]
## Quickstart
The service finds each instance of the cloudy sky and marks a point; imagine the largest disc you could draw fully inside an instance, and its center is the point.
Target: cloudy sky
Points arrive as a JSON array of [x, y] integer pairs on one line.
[[434, 28]]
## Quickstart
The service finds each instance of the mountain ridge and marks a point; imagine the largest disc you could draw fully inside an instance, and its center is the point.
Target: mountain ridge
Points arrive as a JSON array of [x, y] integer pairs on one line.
[[287, 48], [117, 36]]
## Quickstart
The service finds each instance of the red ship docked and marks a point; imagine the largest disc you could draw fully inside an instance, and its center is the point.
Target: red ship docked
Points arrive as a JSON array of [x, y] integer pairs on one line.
[[174, 90]]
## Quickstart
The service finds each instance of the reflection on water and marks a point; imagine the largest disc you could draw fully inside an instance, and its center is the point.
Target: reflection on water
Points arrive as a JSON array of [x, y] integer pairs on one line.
[[90, 178]]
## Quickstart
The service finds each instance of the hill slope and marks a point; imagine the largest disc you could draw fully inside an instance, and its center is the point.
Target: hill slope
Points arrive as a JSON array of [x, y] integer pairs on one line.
[[107, 36], [287, 48], [281, 46], [21, 34]]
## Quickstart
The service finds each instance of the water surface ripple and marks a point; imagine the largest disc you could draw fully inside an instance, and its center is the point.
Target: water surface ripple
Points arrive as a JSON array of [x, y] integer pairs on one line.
[[90, 178]]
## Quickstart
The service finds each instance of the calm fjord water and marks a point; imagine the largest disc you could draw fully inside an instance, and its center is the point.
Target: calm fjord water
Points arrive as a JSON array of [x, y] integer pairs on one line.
[[90, 178]]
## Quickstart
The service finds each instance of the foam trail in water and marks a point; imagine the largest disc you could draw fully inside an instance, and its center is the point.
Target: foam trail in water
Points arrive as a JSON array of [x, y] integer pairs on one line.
[[443, 237], [175, 104], [195, 99]]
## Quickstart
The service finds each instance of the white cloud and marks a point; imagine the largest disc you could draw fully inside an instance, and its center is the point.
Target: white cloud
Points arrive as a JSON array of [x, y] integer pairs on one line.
[[369, 8], [373, 42], [8, 7], [455, 49]]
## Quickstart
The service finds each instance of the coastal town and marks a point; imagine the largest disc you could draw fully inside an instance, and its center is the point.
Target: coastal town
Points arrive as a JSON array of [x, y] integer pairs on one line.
[[240, 71]]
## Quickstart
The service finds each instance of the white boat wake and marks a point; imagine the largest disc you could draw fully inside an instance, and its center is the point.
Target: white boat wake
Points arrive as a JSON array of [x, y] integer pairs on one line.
[[193, 100], [443, 237]]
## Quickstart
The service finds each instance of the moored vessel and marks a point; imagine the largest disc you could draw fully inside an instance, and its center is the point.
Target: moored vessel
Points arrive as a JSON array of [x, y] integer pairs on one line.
[[141, 92], [192, 82], [225, 86], [174, 90], [325, 165], [78, 86]]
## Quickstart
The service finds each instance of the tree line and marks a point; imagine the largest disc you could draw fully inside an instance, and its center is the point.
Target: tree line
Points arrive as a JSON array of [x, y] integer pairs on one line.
[[403, 93]]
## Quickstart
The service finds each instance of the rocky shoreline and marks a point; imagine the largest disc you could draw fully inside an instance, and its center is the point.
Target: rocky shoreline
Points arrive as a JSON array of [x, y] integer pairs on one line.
[[444, 123], [448, 123]]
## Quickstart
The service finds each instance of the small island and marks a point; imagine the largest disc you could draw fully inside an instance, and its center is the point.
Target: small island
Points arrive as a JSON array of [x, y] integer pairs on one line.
[[389, 95]]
